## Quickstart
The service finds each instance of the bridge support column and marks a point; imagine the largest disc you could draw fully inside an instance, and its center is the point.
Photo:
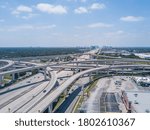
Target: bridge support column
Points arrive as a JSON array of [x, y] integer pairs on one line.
[[50, 108], [122, 72], [116, 72], [143, 69], [97, 72], [82, 90], [96, 64], [74, 71], [59, 59], [130, 107], [56, 100], [13, 76], [77, 67], [113, 63], [1, 78], [108, 72], [66, 92], [16, 76], [90, 77], [45, 77], [105, 61], [38, 70]]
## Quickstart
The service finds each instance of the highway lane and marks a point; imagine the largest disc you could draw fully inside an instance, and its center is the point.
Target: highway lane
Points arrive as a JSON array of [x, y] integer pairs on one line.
[[62, 76], [63, 87], [25, 105], [26, 101], [22, 70], [31, 63], [10, 63], [123, 60], [29, 105], [26, 82], [55, 94], [14, 105], [14, 90], [7, 96], [80, 66], [15, 96]]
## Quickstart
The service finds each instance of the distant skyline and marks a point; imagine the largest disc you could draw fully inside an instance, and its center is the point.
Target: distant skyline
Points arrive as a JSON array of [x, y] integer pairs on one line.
[[71, 23]]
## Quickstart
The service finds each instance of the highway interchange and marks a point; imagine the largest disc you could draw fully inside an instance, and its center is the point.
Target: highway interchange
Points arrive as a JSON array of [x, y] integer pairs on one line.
[[38, 92]]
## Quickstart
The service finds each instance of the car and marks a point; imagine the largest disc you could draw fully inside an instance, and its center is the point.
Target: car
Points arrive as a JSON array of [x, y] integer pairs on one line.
[[44, 91]]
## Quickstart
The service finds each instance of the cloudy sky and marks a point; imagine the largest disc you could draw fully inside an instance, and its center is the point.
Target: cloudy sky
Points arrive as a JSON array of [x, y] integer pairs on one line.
[[54, 23]]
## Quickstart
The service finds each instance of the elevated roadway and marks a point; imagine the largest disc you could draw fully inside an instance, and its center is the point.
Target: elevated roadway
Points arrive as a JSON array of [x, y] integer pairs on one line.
[[24, 101], [50, 98], [103, 61], [13, 72], [22, 70], [9, 64], [28, 106]]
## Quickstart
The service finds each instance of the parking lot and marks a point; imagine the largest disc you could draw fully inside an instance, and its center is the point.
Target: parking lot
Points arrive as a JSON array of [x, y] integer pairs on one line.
[[108, 103]]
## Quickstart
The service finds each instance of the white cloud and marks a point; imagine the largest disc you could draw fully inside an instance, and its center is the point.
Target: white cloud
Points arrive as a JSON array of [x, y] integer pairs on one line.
[[28, 16], [51, 9], [99, 25], [97, 6], [94, 26], [22, 9], [131, 18], [94, 6], [24, 12], [81, 10]]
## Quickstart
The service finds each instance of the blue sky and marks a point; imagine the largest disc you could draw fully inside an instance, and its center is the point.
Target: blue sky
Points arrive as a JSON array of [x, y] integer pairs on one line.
[[54, 23]]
